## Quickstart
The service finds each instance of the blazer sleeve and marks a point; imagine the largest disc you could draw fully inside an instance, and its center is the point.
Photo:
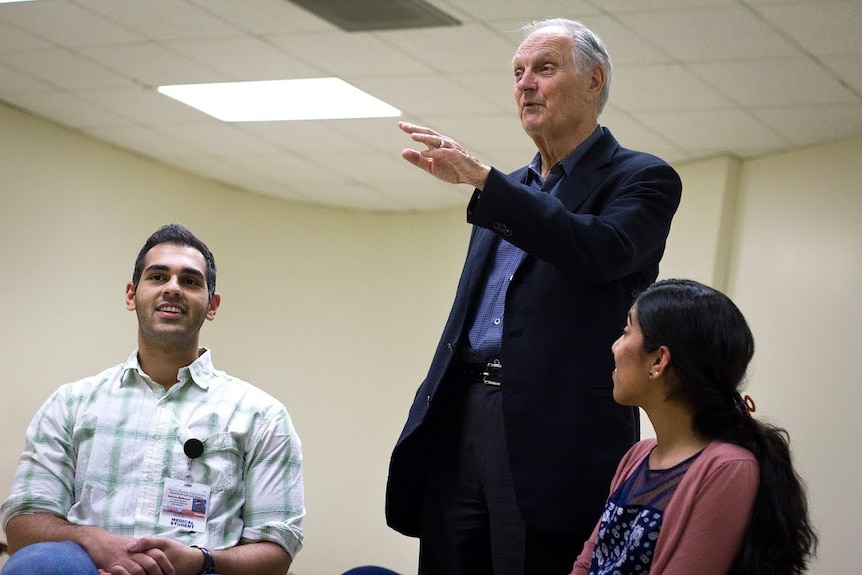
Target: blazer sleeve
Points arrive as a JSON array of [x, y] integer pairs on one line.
[[618, 227]]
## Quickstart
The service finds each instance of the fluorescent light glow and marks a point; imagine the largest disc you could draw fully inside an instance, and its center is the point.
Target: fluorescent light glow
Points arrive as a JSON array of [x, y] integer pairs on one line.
[[277, 100]]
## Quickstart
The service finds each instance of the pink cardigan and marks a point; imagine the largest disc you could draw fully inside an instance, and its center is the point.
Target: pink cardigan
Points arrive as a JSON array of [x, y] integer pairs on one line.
[[707, 516]]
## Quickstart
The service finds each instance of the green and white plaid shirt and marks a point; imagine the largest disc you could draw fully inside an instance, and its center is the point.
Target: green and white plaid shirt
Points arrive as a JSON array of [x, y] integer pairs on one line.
[[98, 452]]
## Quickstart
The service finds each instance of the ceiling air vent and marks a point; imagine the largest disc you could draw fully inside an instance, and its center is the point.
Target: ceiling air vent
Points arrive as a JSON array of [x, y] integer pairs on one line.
[[372, 15]]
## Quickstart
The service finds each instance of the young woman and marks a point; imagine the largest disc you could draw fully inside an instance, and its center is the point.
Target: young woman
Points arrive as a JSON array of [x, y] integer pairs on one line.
[[715, 492]]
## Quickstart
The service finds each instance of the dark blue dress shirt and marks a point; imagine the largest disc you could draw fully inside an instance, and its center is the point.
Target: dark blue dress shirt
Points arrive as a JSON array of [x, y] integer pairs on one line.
[[486, 331]]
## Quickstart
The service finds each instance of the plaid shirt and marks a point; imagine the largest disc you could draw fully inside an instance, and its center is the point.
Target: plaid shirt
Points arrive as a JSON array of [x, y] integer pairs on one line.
[[99, 450]]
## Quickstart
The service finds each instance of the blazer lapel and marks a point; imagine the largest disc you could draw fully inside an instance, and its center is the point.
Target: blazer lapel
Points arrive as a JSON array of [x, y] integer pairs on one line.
[[588, 172]]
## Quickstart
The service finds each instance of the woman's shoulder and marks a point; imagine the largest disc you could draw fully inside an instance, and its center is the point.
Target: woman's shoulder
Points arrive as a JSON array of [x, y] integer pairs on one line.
[[724, 451], [637, 453], [727, 460], [643, 446]]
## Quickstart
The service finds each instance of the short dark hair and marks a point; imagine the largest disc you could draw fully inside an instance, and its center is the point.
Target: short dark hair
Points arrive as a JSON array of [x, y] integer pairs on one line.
[[180, 235]]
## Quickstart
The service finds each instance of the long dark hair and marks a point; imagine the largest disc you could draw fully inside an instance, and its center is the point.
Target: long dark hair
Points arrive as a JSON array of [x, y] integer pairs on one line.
[[710, 347]]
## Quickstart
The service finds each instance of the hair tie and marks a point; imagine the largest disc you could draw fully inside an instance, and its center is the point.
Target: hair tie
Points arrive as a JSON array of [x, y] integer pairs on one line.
[[745, 404]]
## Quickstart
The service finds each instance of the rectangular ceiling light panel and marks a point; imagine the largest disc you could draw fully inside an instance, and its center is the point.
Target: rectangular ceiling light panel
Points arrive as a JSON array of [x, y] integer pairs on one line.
[[279, 100]]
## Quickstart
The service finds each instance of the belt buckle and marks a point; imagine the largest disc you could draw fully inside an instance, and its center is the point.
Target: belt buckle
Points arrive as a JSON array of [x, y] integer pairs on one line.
[[486, 375]]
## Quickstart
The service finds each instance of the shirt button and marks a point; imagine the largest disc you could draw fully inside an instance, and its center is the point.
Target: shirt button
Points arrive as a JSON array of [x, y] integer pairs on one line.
[[497, 321]]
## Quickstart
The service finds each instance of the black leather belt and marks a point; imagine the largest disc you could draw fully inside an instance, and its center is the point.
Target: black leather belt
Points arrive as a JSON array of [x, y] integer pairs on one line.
[[488, 373]]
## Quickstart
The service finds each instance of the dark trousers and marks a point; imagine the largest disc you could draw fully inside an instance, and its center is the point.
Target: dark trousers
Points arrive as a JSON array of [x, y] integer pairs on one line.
[[471, 524]]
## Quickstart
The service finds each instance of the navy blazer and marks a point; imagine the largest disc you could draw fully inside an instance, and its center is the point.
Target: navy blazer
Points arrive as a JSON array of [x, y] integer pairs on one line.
[[590, 249]]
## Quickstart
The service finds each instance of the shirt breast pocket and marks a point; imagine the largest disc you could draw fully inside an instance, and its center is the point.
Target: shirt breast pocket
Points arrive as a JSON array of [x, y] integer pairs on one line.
[[221, 466]]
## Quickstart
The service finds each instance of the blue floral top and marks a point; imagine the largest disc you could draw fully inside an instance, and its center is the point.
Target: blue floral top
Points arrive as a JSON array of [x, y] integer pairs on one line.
[[631, 521]]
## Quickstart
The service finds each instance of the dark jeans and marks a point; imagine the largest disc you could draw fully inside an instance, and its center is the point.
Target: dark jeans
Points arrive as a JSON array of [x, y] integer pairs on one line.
[[50, 558]]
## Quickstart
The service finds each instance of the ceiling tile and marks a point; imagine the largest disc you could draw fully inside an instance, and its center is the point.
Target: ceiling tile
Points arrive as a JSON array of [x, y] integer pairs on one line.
[[357, 54], [265, 17], [355, 167], [381, 134], [849, 68], [821, 27], [308, 137], [14, 39], [216, 167], [653, 5], [626, 45], [152, 64], [663, 87], [14, 82], [495, 88], [523, 11], [139, 139], [813, 124], [777, 2], [64, 69], [485, 134], [143, 106], [711, 33], [351, 196], [732, 130], [632, 133], [776, 82], [67, 24], [427, 194], [164, 19], [455, 49], [216, 138], [71, 110], [287, 168], [262, 186], [229, 174], [244, 58], [428, 94]]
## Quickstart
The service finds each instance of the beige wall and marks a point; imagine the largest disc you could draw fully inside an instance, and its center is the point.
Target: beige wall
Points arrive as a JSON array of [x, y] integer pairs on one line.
[[797, 271], [782, 235], [336, 313]]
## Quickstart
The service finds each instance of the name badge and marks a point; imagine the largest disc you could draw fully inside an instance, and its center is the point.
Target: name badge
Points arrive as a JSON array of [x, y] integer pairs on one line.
[[185, 505]]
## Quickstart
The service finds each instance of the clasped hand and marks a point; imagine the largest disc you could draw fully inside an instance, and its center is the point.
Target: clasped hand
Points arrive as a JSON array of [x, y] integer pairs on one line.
[[148, 556]]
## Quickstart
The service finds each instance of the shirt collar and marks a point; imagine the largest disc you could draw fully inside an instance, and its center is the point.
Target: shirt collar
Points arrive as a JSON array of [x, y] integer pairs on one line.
[[569, 162], [200, 371]]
